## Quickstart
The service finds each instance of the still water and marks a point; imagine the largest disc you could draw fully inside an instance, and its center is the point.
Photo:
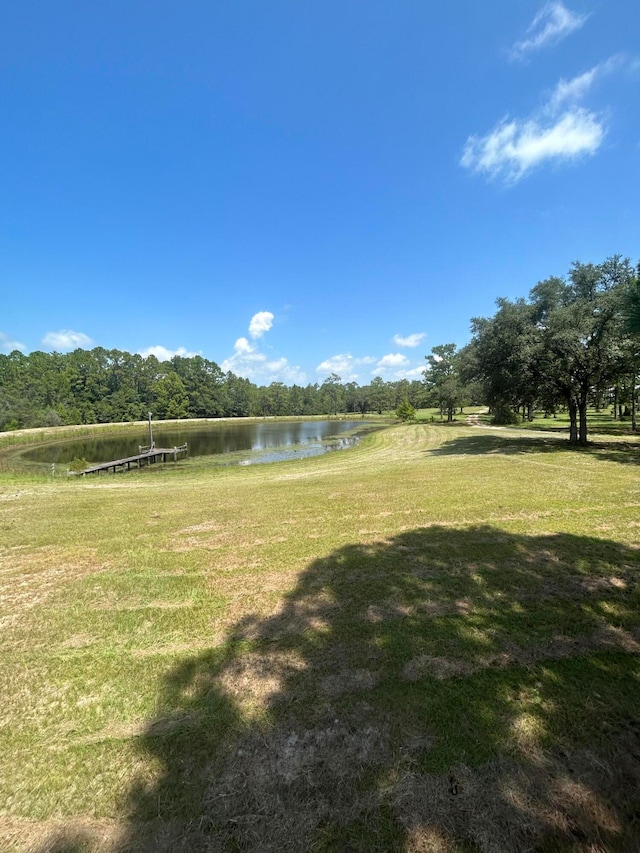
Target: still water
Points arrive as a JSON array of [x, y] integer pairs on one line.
[[250, 442]]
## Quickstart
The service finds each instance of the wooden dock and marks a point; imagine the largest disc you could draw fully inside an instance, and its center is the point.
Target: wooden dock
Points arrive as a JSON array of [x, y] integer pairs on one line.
[[147, 455]]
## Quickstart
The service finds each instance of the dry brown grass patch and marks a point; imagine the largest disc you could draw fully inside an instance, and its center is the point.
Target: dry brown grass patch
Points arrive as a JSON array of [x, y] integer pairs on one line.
[[279, 786], [29, 579], [558, 647], [257, 679], [59, 836], [349, 681], [434, 666], [505, 806], [171, 649]]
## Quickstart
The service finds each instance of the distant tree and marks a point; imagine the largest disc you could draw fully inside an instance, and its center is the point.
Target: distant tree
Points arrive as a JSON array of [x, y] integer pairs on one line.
[[241, 394], [631, 318], [379, 395], [279, 398], [350, 391], [442, 379], [578, 322], [631, 305], [405, 411], [171, 399], [504, 356], [332, 393], [204, 384], [564, 344], [296, 400], [311, 399]]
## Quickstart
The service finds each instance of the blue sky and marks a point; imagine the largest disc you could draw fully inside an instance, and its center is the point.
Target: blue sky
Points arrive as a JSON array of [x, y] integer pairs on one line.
[[292, 188]]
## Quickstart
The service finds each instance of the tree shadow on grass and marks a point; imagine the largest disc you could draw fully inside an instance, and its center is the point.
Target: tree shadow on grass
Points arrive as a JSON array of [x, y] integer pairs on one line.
[[510, 444], [446, 689], [601, 424], [497, 443]]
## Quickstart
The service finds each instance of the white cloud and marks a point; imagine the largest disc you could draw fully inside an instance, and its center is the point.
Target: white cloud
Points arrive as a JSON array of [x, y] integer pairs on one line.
[[249, 362], [7, 344], [260, 323], [164, 354], [243, 345], [415, 372], [574, 90], [393, 359], [552, 23], [243, 353], [281, 371], [394, 366], [561, 130], [390, 367], [344, 365], [410, 340], [65, 340], [515, 147]]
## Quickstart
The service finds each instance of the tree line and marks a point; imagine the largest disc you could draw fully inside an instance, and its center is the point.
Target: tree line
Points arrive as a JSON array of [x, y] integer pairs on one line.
[[103, 386], [572, 343]]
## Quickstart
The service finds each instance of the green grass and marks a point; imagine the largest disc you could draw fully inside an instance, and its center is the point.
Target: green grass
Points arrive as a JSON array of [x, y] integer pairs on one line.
[[428, 642]]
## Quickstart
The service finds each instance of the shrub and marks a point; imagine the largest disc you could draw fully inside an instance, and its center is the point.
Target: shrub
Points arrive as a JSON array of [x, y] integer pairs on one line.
[[505, 415], [78, 465], [405, 411]]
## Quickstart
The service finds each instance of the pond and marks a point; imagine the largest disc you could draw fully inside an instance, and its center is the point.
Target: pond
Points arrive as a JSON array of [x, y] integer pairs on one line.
[[249, 441]]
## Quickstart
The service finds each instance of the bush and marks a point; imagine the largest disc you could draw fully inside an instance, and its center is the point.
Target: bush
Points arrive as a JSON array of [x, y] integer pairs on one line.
[[405, 411], [505, 416]]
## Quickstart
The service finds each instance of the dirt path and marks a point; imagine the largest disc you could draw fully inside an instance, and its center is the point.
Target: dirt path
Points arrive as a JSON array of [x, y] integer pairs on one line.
[[474, 420]]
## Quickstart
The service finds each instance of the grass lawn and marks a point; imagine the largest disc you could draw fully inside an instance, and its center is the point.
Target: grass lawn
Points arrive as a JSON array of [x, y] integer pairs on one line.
[[426, 643]]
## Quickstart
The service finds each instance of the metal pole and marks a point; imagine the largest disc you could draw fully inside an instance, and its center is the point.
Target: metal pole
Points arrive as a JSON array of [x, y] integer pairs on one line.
[[150, 433]]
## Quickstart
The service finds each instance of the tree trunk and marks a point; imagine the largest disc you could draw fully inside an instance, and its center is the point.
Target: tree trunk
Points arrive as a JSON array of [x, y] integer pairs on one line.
[[582, 407], [573, 422], [634, 424]]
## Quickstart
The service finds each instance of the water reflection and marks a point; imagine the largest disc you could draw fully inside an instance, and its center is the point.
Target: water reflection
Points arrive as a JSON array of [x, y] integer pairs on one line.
[[268, 441]]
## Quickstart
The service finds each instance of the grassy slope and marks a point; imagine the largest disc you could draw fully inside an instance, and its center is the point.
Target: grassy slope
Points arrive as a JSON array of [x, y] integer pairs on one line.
[[426, 643]]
